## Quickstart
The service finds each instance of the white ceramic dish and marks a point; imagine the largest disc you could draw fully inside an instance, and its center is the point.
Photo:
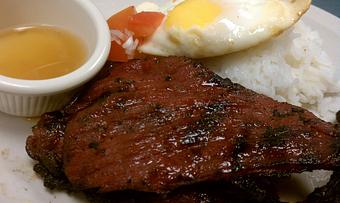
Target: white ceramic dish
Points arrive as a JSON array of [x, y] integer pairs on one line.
[[18, 182], [81, 17]]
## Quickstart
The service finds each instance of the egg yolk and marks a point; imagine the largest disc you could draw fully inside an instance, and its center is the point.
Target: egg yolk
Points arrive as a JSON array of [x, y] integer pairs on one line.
[[193, 13]]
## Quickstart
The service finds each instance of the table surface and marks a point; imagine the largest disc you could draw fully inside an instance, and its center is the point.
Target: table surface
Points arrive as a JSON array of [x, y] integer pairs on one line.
[[332, 6]]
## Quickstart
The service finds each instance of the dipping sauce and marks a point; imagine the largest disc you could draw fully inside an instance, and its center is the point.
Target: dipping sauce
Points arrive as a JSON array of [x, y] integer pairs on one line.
[[39, 52]]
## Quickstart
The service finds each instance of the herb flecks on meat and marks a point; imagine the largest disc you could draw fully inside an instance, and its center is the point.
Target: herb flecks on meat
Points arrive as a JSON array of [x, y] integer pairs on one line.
[[133, 128]]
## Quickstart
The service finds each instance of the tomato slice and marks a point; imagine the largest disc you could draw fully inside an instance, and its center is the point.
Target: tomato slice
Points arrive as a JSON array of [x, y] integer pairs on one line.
[[117, 53], [128, 23], [144, 24], [120, 20]]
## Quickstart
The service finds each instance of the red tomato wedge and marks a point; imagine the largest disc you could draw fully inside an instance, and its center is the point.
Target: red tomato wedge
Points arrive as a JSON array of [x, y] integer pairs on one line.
[[144, 24], [128, 23], [117, 53], [120, 20]]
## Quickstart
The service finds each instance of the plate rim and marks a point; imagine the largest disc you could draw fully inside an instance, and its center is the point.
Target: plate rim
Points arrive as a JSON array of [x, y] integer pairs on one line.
[[316, 13]]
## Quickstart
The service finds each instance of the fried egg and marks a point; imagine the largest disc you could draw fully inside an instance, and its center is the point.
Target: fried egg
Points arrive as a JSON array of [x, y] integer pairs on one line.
[[207, 28]]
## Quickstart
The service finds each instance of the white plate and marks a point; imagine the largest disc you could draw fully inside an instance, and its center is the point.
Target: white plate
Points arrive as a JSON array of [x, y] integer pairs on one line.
[[18, 182]]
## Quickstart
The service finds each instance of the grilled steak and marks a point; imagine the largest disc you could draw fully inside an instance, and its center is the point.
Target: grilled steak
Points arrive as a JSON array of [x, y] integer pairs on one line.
[[242, 191], [159, 123]]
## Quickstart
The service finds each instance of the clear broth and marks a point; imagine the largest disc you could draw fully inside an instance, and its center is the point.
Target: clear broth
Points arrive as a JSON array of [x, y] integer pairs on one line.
[[39, 52]]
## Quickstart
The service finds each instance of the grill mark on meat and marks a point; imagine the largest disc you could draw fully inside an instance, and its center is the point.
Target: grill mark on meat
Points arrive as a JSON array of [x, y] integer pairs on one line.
[[218, 81], [336, 148], [275, 137], [159, 134], [199, 132], [309, 159], [239, 191]]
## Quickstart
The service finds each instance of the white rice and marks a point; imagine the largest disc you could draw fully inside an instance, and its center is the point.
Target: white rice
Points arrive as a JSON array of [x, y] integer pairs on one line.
[[291, 68]]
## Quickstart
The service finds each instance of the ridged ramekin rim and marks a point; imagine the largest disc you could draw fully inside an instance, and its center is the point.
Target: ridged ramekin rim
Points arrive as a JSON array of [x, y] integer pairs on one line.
[[76, 78]]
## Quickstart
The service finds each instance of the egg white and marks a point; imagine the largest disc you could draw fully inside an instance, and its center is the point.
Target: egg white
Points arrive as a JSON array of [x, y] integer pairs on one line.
[[242, 24]]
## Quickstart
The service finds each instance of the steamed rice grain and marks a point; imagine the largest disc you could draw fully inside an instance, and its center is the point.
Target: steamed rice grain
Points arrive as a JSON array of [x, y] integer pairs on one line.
[[291, 68]]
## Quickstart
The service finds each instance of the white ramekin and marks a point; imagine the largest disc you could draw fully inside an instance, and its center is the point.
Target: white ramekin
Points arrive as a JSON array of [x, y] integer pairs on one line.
[[34, 97]]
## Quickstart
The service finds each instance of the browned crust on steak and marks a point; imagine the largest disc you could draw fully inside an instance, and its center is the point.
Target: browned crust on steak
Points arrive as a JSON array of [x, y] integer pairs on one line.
[[159, 123]]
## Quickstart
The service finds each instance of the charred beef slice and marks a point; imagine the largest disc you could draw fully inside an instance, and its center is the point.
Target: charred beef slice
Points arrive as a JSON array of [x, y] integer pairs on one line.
[[156, 124], [249, 190]]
